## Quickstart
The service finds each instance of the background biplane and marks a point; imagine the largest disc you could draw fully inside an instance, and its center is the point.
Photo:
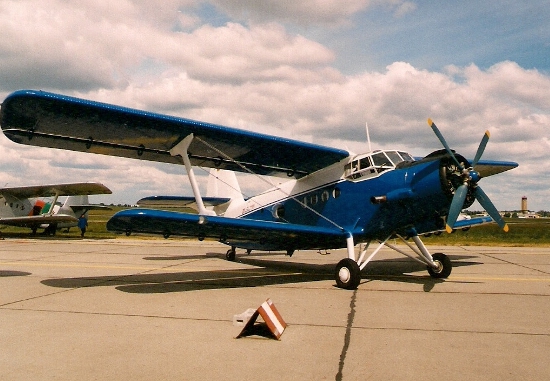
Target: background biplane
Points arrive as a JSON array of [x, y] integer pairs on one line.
[[29, 207]]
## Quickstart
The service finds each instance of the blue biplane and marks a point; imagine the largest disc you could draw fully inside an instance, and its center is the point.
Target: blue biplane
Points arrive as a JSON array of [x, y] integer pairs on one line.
[[331, 199]]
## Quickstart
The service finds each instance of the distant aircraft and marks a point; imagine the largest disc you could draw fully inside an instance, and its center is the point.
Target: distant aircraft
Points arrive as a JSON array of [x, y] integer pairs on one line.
[[26, 207], [331, 199]]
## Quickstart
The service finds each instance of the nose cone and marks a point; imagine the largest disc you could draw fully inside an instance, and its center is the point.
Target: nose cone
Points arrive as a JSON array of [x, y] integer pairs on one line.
[[474, 176]]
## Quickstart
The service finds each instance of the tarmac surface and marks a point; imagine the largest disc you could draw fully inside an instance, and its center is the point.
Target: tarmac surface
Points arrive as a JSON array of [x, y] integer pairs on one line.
[[129, 309]]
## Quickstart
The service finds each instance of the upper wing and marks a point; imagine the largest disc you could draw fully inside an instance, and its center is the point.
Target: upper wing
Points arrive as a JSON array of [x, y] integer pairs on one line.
[[30, 221], [73, 189], [490, 167], [265, 235], [57, 121]]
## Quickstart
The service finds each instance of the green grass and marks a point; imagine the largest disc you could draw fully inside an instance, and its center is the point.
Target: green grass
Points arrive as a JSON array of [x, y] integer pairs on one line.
[[523, 232]]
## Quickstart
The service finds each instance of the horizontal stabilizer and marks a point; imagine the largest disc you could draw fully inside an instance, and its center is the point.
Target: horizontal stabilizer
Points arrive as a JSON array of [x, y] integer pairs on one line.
[[179, 201], [90, 207]]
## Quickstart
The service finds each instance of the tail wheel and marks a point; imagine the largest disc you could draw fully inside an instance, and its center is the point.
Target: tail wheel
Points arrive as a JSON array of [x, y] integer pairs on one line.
[[348, 274], [230, 255], [444, 266]]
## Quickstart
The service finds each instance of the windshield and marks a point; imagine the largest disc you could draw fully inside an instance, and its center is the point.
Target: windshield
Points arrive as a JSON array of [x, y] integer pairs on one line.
[[371, 165]]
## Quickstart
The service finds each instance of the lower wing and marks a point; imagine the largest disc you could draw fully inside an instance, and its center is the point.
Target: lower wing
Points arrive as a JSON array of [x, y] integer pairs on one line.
[[466, 223], [29, 221], [240, 232]]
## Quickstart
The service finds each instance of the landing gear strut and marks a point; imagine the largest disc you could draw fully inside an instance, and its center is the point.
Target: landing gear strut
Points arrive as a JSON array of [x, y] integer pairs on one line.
[[348, 270], [230, 255]]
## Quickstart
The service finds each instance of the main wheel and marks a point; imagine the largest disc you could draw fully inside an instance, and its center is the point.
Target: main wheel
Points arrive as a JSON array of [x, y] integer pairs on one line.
[[348, 274], [444, 266]]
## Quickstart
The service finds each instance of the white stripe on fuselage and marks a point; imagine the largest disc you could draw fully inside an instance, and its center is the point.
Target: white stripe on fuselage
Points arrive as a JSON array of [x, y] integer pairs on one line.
[[292, 188]]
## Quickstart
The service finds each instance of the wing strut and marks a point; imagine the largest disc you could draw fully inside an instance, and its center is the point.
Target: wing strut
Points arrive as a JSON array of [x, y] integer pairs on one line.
[[180, 149], [51, 211]]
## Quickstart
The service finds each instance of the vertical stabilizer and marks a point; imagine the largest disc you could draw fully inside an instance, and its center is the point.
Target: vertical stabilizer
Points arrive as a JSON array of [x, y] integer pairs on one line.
[[224, 184], [76, 200]]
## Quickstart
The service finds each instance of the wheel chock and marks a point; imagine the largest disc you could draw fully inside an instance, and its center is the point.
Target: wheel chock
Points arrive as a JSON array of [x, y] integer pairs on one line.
[[273, 325]]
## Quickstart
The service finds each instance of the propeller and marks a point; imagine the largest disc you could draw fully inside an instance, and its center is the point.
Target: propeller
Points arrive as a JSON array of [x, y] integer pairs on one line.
[[470, 178]]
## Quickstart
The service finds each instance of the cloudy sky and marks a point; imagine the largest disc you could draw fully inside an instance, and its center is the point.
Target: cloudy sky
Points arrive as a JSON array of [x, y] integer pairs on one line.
[[309, 70]]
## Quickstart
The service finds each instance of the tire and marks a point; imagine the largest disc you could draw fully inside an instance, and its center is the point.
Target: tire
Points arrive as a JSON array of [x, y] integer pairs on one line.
[[230, 255], [445, 269], [347, 274]]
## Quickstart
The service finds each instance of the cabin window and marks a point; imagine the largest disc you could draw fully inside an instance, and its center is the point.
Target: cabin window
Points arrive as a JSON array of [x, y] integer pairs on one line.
[[314, 199], [336, 193], [279, 211]]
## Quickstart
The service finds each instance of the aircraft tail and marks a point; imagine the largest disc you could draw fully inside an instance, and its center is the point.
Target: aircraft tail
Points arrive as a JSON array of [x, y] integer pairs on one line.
[[222, 183], [76, 200]]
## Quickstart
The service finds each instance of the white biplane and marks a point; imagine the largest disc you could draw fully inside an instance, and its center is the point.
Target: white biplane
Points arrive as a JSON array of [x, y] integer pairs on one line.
[[28, 206]]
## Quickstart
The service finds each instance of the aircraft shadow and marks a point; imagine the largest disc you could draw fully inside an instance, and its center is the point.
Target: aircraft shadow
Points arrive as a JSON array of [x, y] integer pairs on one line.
[[268, 272], [8, 273]]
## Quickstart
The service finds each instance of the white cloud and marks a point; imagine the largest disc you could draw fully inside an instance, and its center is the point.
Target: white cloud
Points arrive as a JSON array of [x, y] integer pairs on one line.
[[307, 13], [261, 77]]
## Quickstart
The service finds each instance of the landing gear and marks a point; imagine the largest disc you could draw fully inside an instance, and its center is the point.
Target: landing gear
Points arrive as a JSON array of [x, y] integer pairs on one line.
[[348, 270], [444, 266], [348, 274], [230, 255]]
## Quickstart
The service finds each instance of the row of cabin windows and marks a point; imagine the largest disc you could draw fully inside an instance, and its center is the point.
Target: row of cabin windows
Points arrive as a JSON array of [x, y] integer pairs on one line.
[[278, 210], [315, 198]]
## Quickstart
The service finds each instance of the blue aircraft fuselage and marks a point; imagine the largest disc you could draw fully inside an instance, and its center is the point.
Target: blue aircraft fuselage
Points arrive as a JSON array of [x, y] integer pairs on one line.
[[414, 195]]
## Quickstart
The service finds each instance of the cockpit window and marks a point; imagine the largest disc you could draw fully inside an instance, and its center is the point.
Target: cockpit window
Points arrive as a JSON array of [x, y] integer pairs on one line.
[[371, 165], [381, 160], [394, 157], [406, 156]]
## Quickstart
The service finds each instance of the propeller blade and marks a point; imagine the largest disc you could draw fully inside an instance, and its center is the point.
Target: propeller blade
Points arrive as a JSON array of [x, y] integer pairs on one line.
[[486, 203], [444, 143], [481, 148], [456, 206]]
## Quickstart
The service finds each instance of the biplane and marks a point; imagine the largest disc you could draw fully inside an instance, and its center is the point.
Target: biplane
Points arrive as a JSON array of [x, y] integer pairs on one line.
[[331, 198], [29, 206]]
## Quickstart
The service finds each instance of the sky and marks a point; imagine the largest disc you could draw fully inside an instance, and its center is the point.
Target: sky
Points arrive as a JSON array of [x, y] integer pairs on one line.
[[315, 71]]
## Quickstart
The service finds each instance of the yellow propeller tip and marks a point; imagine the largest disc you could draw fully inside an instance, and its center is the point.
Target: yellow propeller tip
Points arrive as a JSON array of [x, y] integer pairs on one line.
[[506, 228], [488, 133], [430, 122], [449, 229]]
